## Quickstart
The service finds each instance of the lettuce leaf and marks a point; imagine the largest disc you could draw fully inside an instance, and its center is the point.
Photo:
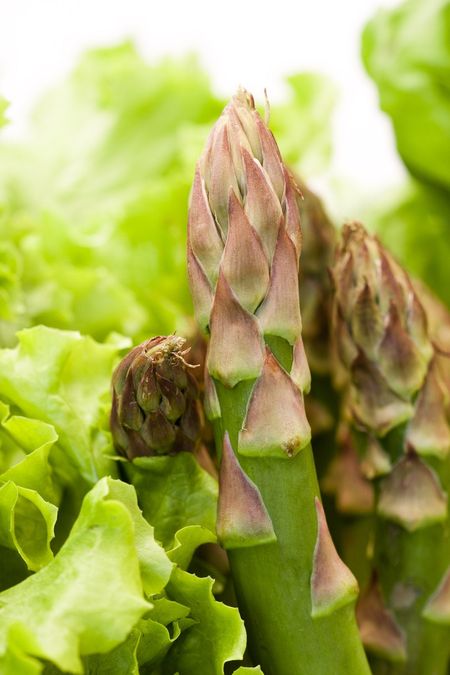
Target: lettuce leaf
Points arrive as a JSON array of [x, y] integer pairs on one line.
[[62, 379], [218, 636], [90, 596], [34, 470], [27, 524], [406, 50], [95, 202], [175, 492]]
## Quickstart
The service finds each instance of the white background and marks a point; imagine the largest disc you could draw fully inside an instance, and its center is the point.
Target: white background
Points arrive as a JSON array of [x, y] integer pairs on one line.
[[252, 43]]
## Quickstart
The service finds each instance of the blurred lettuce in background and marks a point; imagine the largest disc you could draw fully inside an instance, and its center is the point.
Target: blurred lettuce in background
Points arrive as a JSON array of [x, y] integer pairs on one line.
[[93, 203], [3, 107], [407, 53]]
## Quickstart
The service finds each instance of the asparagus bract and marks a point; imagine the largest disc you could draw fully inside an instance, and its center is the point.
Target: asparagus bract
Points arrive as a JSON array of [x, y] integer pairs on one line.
[[244, 242], [398, 401]]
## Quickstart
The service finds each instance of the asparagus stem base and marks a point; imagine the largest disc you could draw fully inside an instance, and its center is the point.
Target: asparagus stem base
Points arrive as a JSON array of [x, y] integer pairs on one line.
[[410, 566], [272, 581]]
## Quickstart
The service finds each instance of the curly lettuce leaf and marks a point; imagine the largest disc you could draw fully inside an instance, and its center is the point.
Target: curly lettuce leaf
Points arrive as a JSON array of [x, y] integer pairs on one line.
[[146, 645], [91, 595], [154, 564], [98, 223], [34, 470], [173, 493], [218, 636], [62, 379], [27, 524], [187, 540], [95, 201], [406, 50], [29, 493]]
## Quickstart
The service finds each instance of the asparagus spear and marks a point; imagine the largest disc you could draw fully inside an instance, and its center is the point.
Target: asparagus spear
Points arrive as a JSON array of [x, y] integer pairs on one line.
[[398, 401], [244, 241]]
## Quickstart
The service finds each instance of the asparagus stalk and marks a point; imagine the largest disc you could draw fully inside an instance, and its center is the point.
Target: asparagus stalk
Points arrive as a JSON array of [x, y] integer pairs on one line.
[[398, 401], [296, 595]]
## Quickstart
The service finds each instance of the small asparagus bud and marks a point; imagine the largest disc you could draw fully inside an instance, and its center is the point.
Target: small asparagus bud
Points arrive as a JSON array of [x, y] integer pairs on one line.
[[244, 243], [155, 408], [398, 394]]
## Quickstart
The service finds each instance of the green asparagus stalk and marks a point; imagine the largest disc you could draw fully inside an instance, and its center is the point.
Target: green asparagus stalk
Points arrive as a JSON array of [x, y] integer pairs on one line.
[[296, 595], [398, 401]]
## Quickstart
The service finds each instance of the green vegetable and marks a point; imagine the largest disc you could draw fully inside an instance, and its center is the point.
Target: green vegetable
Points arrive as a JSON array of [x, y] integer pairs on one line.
[[156, 408], [243, 248], [397, 394], [406, 51], [81, 620], [174, 492], [70, 393]]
